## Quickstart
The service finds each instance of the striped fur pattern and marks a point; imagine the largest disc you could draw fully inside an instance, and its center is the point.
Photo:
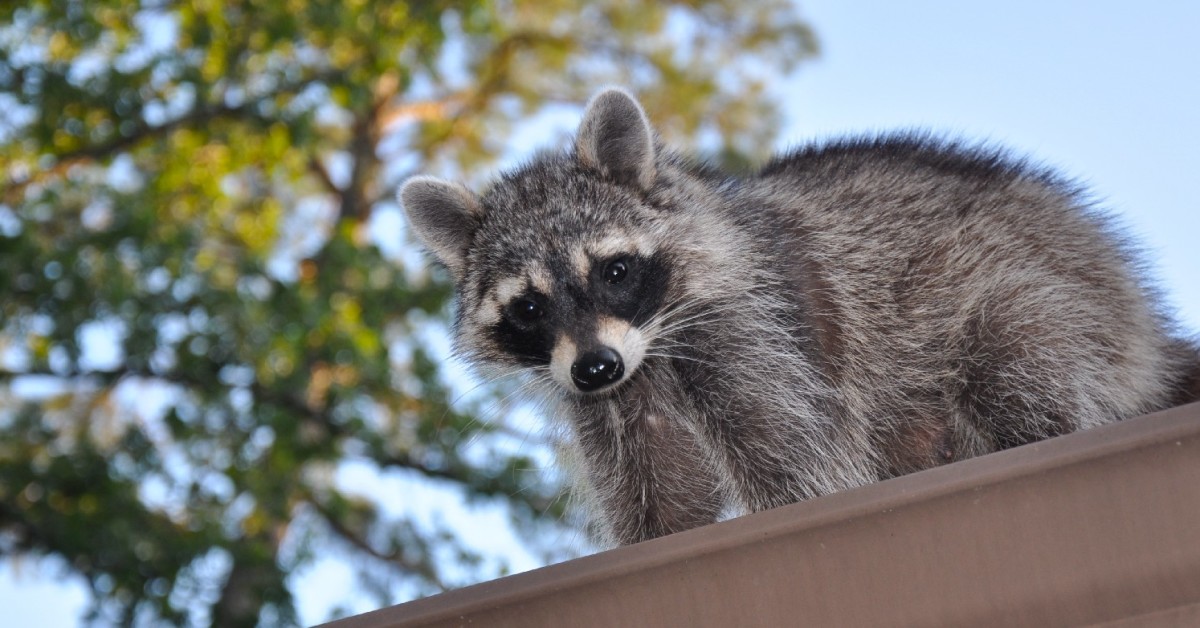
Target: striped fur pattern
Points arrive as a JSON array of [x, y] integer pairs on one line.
[[851, 312]]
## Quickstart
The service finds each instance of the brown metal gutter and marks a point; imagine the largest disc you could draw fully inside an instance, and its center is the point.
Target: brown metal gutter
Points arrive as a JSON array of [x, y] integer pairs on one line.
[[1097, 527]]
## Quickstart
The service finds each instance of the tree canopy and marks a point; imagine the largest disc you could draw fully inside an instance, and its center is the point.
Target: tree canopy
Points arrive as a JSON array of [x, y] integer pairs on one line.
[[208, 308]]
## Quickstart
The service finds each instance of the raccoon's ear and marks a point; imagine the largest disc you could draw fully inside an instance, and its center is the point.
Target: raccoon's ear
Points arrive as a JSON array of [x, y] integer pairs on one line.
[[615, 138], [443, 215]]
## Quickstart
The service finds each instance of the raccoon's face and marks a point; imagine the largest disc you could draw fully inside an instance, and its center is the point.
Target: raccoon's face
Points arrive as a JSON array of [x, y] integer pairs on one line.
[[562, 265], [585, 309]]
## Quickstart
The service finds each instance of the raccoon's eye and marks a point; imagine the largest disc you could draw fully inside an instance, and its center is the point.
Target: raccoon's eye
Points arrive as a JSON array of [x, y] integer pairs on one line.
[[527, 310], [615, 272]]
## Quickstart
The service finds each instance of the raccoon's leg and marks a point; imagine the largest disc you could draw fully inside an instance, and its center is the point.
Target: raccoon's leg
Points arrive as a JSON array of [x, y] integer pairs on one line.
[[921, 435], [646, 470], [777, 445], [773, 458], [1025, 375]]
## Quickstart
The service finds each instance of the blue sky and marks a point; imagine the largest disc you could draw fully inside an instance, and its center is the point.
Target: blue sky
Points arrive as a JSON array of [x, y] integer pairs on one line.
[[1107, 92]]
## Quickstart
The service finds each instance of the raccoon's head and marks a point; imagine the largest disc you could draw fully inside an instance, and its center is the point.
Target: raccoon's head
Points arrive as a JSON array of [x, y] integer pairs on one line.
[[563, 265]]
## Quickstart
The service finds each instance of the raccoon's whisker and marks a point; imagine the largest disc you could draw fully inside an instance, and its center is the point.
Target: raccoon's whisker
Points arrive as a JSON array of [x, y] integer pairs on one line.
[[676, 303], [487, 416], [670, 356], [674, 325], [685, 311], [636, 314], [709, 309], [488, 380], [669, 346], [503, 406]]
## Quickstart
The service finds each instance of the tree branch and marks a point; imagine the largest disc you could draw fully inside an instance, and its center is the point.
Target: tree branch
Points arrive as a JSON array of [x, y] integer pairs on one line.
[[64, 161], [143, 130], [422, 568], [261, 394], [322, 173], [397, 114]]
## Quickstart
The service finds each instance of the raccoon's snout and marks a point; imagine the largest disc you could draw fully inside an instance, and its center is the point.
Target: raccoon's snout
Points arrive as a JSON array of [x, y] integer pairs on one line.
[[599, 362], [597, 369]]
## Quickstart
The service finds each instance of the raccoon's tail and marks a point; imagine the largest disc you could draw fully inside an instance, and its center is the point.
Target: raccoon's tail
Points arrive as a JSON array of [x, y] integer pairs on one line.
[[1189, 372]]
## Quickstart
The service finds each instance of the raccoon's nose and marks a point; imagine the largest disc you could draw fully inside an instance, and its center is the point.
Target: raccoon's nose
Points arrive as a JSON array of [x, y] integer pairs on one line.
[[597, 369]]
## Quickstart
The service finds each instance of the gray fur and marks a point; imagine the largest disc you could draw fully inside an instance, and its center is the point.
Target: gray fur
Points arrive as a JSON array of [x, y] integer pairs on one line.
[[852, 312]]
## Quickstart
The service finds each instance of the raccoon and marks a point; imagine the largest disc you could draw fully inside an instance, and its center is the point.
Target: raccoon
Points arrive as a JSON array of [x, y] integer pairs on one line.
[[849, 313]]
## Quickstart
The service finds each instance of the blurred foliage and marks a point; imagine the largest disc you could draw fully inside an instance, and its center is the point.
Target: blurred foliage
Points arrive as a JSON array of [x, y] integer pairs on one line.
[[199, 326]]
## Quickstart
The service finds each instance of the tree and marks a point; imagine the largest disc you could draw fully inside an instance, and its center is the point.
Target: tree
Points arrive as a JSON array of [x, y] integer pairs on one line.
[[200, 325]]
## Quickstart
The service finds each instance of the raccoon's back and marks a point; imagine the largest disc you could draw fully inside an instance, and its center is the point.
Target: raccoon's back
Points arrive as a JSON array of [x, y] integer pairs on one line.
[[909, 217], [933, 254], [904, 189]]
